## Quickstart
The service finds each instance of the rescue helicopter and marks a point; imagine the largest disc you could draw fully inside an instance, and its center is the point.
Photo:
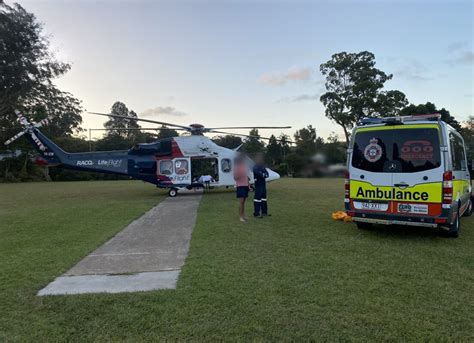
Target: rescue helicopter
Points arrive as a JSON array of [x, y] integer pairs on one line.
[[166, 163]]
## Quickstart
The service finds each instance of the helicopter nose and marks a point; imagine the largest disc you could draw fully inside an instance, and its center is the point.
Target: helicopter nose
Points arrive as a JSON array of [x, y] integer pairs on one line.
[[272, 175]]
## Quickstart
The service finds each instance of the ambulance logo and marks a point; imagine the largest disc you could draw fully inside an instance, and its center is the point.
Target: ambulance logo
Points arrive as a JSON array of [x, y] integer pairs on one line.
[[373, 151]]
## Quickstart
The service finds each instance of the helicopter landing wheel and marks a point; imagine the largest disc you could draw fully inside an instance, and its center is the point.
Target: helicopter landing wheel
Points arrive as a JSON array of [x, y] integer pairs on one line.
[[173, 192]]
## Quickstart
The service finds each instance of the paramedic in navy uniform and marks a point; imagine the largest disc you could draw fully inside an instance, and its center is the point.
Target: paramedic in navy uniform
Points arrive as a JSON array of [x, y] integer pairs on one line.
[[260, 174]]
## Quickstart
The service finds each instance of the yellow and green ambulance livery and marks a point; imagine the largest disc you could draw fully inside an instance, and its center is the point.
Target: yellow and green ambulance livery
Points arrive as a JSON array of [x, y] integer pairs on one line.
[[408, 171]]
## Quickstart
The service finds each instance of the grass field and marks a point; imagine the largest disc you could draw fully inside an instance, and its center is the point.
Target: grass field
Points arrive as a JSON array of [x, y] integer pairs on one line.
[[295, 275]]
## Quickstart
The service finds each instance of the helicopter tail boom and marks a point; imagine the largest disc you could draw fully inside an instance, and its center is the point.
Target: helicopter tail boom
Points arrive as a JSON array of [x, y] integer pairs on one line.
[[114, 162]]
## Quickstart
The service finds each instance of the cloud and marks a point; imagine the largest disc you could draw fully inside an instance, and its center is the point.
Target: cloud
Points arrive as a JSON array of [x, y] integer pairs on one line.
[[160, 110], [462, 58], [301, 98], [292, 74], [413, 70], [460, 53], [456, 46]]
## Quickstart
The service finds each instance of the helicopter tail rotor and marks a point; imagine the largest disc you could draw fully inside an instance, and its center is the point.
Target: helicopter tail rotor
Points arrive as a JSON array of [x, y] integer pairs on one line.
[[29, 128]]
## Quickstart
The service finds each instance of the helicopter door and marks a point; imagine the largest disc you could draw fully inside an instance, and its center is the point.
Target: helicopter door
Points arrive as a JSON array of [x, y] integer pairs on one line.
[[181, 171]]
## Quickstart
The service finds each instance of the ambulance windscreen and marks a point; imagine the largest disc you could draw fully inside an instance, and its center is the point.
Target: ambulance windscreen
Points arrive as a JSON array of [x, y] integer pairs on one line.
[[397, 150]]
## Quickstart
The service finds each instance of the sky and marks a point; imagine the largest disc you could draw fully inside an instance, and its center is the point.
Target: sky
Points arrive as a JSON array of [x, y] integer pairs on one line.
[[244, 63]]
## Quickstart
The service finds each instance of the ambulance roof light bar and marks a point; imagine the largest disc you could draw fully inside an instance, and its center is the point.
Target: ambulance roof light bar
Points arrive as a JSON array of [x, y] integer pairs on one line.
[[400, 119]]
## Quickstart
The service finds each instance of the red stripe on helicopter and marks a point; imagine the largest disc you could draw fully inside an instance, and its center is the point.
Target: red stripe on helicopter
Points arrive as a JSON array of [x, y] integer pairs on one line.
[[175, 150]]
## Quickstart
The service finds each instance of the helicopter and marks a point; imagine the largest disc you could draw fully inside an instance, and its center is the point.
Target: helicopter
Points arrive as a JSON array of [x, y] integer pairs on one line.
[[166, 163]]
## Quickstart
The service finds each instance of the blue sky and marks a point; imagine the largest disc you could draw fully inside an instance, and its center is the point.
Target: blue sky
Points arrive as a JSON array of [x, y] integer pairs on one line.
[[254, 63]]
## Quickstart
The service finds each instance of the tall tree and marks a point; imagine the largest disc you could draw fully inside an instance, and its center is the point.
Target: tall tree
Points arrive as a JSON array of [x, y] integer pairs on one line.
[[354, 90], [284, 142], [166, 132], [253, 145], [468, 133], [334, 150], [27, 71], [430, 108], [120, 126], [274, 153], [228, 141], [305, 140]]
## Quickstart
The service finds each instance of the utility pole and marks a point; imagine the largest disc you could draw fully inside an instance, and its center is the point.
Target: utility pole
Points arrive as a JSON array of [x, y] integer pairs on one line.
[[90, 141]]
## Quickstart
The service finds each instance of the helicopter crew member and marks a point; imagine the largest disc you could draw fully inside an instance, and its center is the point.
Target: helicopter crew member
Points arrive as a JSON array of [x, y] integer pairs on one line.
[[260, 174]]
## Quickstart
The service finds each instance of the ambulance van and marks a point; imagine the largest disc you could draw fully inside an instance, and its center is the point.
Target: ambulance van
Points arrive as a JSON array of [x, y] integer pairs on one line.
[[408, 171]]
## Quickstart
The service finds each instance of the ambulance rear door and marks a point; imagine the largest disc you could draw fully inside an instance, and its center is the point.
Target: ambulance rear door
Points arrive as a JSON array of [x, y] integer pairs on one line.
[[371, 181], [417, 170]]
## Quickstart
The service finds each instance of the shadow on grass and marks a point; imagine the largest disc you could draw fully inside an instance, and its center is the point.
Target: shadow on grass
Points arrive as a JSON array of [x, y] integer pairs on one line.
[[403, 232]]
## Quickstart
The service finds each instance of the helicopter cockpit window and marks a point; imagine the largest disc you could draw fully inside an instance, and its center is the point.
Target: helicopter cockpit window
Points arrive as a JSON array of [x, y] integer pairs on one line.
[[226, 165], [181, 166], [166, 167]]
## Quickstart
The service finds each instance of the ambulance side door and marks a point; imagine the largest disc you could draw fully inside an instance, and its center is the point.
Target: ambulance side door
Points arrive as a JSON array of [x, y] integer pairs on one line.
[[461, 177]]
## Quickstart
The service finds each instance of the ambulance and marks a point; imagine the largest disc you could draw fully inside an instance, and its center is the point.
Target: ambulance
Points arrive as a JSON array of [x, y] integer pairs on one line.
[[409, 170]]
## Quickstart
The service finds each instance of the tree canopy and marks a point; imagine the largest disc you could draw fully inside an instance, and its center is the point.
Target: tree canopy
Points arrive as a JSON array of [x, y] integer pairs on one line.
[[166, 132], [126, 128], [253, 145], [354, 90], [28, 69], [305, 140], [228, 141], [430, 108]]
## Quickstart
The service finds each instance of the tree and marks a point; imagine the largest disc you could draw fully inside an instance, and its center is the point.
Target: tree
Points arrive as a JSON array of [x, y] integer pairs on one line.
[[253, 145], [354, 90], [284, 142], [295, 163], [274, 153], [468, 133], [120, 126], [27, 72], [228, 141], [334, 150], [391, 103], [305, 140], [430, 108], [166, 132]]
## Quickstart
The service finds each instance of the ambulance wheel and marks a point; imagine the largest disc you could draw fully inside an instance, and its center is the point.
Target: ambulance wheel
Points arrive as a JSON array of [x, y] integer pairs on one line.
[[455, 227], [469, 210], [173, 192], [363, 226]]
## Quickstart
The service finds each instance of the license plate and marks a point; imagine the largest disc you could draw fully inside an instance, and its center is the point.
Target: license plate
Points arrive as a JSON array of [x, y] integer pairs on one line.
[[371, 206]]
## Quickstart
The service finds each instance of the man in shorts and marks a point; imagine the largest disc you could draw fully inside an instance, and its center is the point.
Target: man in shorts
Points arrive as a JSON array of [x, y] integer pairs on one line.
[[242, 184]]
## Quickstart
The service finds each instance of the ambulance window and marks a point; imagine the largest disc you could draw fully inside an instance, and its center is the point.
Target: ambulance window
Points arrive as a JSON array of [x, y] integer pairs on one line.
[[181, 166], [371, 151], [166, 167], [225, 165], [458, 156], [397, 150]]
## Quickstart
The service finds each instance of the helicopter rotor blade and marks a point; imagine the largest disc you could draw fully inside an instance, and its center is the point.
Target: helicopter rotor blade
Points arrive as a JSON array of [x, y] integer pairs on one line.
[[247, 127], [144, 120], [44, 121], [14, 138], [249, 136], [141, 128]]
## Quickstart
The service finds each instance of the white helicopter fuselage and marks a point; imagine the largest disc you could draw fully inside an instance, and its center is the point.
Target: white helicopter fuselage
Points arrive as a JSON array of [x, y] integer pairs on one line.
[[176, 169]]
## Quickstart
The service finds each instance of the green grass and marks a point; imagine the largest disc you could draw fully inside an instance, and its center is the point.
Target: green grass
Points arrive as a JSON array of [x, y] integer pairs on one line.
[[295, 275]]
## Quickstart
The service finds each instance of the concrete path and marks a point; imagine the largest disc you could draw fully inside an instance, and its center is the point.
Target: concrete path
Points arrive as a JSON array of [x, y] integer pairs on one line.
[[146, 255]]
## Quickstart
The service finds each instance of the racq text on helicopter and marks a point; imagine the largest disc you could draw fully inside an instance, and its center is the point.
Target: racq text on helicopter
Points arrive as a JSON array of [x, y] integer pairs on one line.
[[166, 163]]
